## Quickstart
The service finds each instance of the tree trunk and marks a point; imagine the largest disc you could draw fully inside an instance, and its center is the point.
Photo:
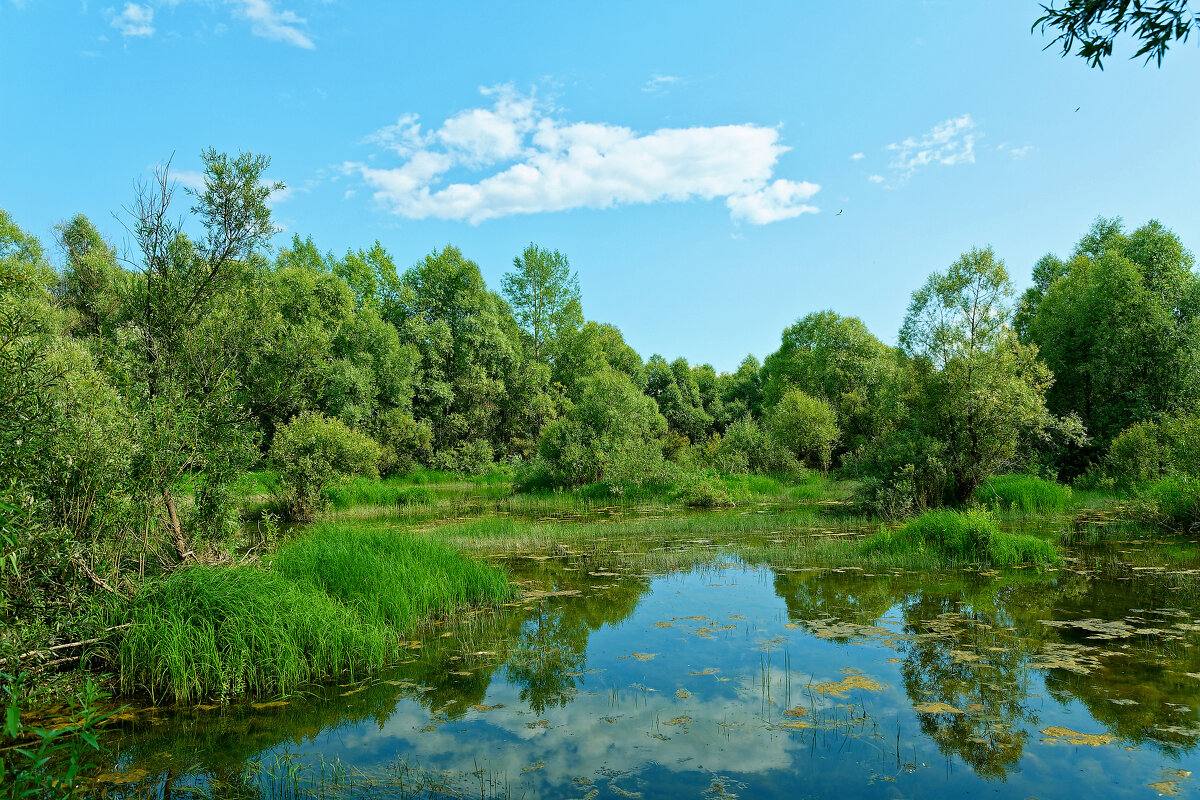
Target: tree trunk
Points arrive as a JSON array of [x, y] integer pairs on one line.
[[181, 545]]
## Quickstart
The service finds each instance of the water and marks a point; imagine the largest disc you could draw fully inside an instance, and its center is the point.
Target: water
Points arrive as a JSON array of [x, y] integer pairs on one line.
[[754, 680]]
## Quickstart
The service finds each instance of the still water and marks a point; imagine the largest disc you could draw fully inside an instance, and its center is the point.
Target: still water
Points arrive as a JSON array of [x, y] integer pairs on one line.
[[731, 679]]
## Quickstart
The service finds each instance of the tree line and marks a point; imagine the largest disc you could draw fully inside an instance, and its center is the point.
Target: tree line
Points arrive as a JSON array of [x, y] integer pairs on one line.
[[138, 388]]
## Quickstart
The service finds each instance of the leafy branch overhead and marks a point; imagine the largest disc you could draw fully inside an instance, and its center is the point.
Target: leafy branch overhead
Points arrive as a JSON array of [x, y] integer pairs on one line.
[[1089, 28]]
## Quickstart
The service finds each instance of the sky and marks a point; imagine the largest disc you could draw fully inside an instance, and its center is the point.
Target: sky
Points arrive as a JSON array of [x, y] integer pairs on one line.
[[713, 170]]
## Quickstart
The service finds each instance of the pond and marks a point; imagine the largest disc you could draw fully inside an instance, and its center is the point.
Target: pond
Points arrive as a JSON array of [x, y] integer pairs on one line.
[[731, 679]]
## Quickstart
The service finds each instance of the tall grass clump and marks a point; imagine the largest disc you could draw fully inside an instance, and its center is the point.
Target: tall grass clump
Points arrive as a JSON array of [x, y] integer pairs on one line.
[[1025, 493], [335, 599], [391, 579], [370, 492], [215, 631], [963, 537]]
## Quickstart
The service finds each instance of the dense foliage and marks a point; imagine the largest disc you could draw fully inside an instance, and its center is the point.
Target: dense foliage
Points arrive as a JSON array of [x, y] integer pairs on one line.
[[136, 393]]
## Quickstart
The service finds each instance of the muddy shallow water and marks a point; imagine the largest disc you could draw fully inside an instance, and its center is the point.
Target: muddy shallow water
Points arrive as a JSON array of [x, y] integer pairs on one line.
[[752, 680]]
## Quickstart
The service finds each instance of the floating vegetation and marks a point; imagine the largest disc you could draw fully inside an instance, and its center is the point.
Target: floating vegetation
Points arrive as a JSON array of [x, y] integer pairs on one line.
[[1057, 734]]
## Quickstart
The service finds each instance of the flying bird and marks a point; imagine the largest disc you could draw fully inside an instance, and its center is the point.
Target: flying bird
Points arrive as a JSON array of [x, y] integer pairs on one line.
[[1078, 107], [839, 213]]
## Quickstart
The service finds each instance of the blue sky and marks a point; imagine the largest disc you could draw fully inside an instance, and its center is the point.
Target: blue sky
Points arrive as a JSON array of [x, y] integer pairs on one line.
[[690, 158]]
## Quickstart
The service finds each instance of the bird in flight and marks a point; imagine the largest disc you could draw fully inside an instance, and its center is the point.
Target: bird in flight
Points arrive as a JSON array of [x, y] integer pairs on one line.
[[839, 213], [1078, 107]]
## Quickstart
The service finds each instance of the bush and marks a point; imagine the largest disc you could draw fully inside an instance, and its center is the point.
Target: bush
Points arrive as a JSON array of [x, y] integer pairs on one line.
[[747, 449], [1137, 455], [963, 537], [1025, 493], [467, 458], [706, 490], [807, 426], [313, 451], [1170, 502], [900, 473], [406, 444], [613, 434]]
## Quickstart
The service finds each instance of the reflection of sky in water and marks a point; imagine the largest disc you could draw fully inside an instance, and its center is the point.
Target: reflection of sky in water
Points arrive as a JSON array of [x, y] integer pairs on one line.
[[613, 730]]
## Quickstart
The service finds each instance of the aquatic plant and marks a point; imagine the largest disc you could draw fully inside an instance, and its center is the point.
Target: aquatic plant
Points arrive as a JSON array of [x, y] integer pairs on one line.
[[963, 536], [368, 492], [1170, 502], [336, 598], [1027, 494]]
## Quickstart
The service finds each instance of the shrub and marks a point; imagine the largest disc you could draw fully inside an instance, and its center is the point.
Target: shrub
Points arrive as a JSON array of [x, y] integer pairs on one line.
[[613, 434], [1170, 502], [467, 458], [704, 490], [406, 444], [1137, 454], [963, 536], [748, 449], [807, 426], [900, 473], [1025, 493], [313, 451]]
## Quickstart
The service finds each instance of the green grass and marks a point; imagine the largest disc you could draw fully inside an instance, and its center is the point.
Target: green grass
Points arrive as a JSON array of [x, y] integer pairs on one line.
[[391, 492], [964, 537], [259, 482], [336, 598], [1025, 494], [390, 579]]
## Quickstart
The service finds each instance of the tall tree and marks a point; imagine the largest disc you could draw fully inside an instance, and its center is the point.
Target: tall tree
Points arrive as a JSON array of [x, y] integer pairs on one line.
[[182, 378], [980, 390], [1119, 325], [544, 295]]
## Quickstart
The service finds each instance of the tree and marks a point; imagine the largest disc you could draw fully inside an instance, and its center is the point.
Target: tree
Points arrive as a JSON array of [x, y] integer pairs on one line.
[[466, 347], [807, 426], [312, 451], [979, 389], [837, 359], [1090, 27], [544, 294], [181, 365], [1119, 325]]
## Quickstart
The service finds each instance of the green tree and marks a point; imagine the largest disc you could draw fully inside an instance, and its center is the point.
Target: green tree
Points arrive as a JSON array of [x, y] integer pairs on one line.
[[464, 337], [186, 338], [979, 389], [807, 426], [1119, 325], [544, 295], [837, 359]]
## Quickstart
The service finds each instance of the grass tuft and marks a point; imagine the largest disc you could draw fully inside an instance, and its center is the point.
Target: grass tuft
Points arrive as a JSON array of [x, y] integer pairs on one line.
[[335, 599], [1026, 494], [964, 536]]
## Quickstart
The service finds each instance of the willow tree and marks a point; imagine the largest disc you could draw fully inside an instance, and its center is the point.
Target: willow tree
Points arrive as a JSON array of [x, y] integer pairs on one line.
[[187, 333]]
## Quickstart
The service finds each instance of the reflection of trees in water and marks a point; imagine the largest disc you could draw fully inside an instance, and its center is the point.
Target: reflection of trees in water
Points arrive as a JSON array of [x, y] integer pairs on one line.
[[536, 648], [960, 653], [971, 643]]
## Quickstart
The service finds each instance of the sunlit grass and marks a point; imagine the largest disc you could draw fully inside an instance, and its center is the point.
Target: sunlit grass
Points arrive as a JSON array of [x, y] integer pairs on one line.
[[1025, 494], [963, 537]]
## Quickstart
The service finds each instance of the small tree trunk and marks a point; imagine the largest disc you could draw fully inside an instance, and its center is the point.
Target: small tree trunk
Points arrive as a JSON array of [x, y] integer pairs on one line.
[[181, 545]]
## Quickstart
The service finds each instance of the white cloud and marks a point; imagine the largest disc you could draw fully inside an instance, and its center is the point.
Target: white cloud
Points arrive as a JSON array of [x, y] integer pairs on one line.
[[947, 143], [135, 20], [546, 164], [188, 178], [660, 83], [1015, 152], [269, 23], [857, 157], [876, 179]]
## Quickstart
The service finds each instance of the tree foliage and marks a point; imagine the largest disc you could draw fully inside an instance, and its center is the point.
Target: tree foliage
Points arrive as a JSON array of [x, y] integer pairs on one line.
[[1089, 28]]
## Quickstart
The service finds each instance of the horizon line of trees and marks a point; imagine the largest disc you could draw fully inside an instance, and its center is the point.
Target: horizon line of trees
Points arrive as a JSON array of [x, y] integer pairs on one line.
[[135, 392]]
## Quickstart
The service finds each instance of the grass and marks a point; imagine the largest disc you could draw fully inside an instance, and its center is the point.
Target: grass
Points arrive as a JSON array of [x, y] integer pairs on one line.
[[368, 492], [1025, 494], [336, 599], [390, 579], [964, 537]]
